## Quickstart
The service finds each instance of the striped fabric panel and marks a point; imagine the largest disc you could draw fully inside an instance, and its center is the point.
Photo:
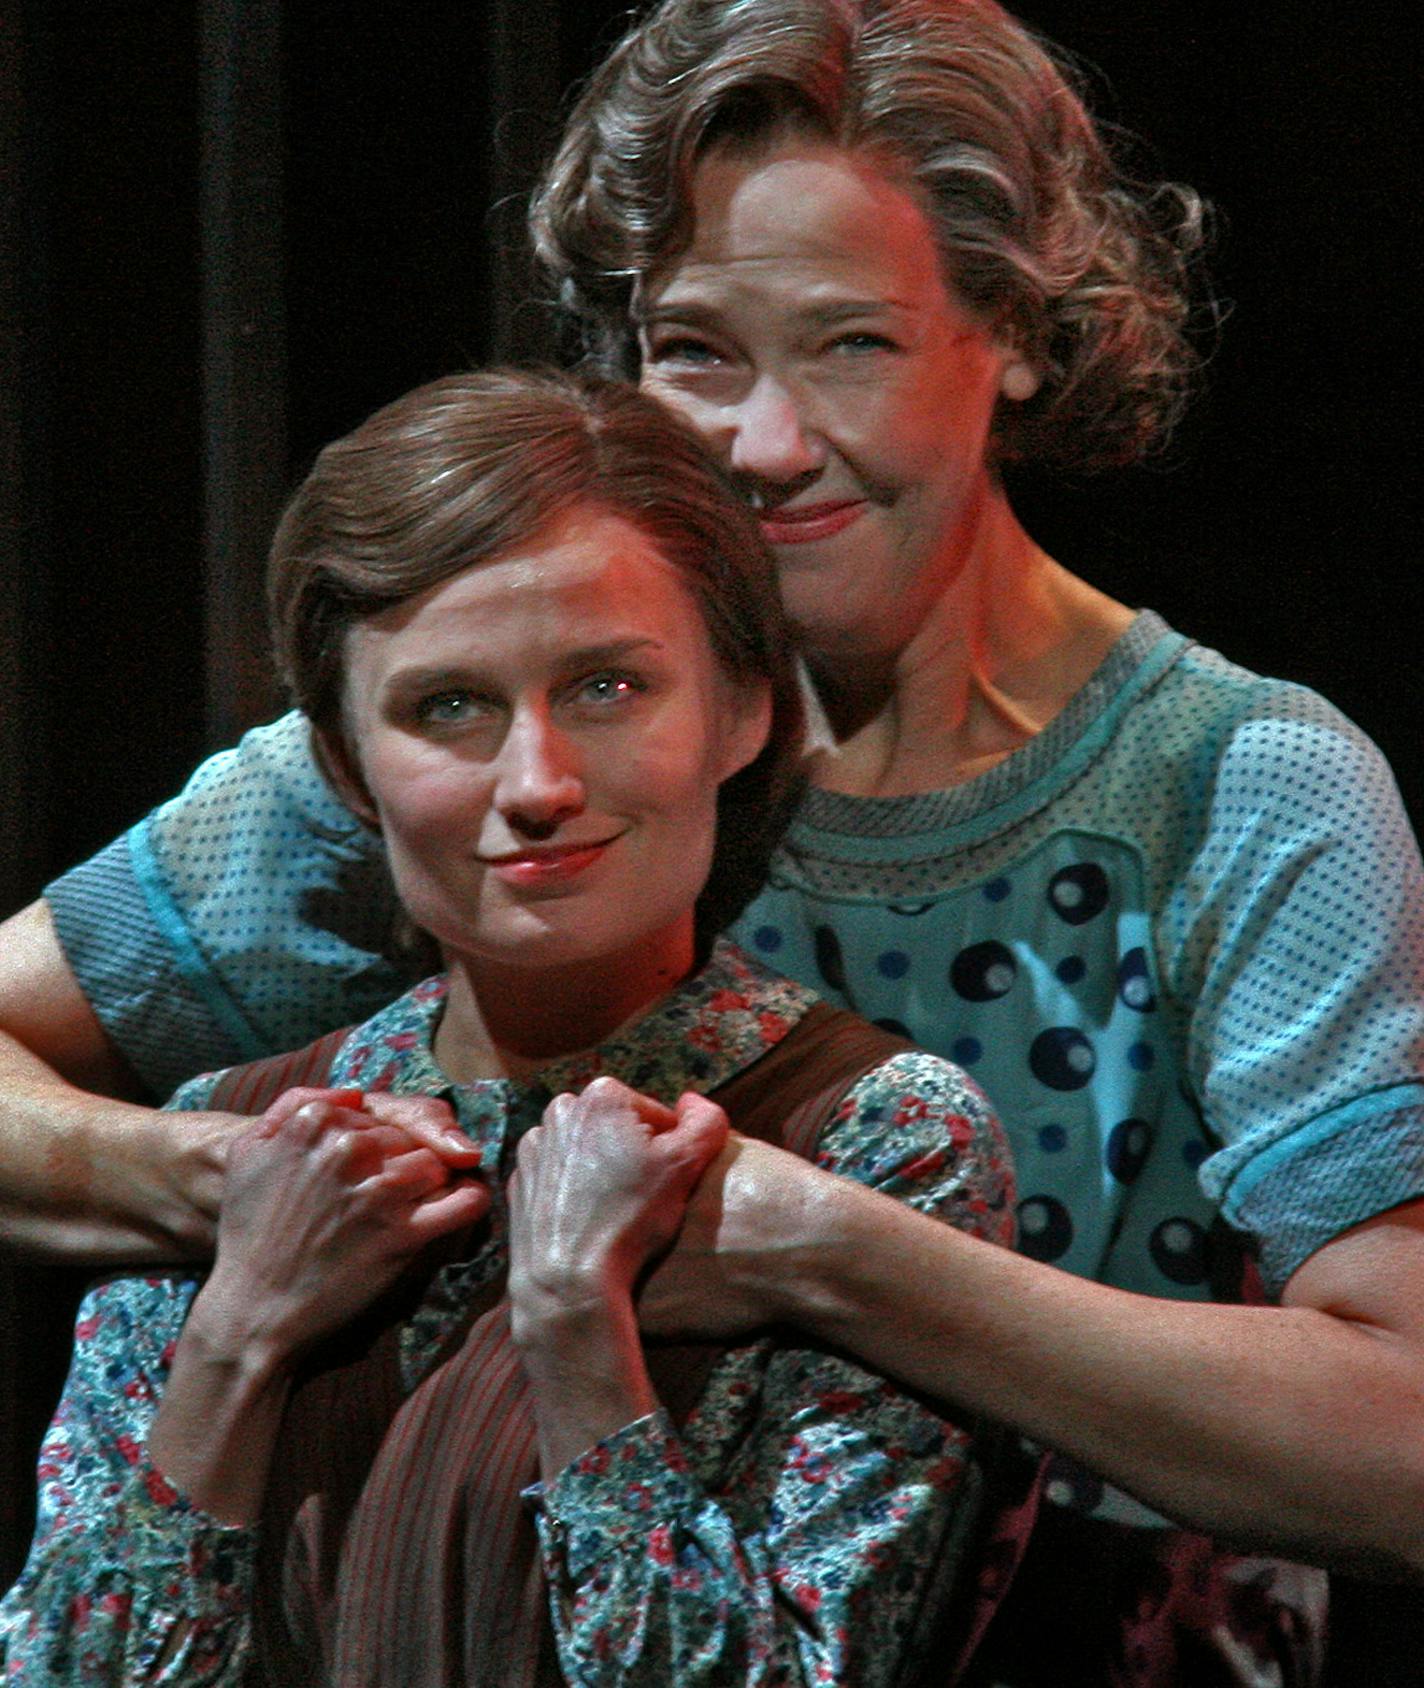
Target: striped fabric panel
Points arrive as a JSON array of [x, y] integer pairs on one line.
[[407, 1555], [252, 1088]]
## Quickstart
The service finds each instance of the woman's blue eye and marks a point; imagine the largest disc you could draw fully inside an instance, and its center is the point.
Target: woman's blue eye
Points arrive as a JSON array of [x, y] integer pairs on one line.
[[684, 351], [609, 687], [445, 709], [862, 340]]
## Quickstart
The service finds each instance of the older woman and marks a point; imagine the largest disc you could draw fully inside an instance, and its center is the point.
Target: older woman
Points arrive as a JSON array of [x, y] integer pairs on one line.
[[1166, 910], [542, 657]]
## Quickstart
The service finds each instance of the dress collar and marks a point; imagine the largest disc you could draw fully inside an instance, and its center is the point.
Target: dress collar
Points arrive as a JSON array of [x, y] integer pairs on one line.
[[700, 1035]]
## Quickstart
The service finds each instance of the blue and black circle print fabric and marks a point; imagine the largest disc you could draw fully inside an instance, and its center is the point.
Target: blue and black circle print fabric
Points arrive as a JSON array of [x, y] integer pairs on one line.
[[1039, 982]]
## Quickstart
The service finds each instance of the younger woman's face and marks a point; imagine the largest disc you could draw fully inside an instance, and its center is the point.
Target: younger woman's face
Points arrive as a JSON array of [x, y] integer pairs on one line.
[[540, 740]]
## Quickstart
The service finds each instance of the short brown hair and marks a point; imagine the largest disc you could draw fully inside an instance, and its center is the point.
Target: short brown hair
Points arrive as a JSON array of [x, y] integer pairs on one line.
[[1082, 270], [461, 470]]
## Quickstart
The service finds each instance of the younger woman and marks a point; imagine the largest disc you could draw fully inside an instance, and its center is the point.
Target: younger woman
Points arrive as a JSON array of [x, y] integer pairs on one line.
[[540, 651]]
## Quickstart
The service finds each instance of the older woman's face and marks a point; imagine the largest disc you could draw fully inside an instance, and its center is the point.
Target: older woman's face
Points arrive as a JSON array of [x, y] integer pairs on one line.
[[808, 334], [540, 740]]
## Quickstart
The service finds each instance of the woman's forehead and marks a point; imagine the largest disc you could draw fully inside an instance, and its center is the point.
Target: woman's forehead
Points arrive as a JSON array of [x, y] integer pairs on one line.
[[802, 212], [594, 579]]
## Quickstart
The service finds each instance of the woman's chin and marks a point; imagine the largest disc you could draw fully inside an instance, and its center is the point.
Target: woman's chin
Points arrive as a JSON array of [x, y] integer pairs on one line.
[[545, 939]]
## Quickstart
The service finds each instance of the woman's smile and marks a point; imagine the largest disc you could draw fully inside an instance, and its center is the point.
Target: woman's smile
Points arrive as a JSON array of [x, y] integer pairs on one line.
[[801, 524], [548, 865], [542, 739], [809, 335]]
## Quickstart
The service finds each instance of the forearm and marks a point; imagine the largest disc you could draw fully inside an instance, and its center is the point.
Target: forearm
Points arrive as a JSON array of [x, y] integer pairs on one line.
[[586, 1374], [1288, 1428], [216, 1429], [93, 1180]]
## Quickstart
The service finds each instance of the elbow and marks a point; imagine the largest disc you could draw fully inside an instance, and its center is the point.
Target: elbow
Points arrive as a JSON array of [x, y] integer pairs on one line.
[[1381, 1537]]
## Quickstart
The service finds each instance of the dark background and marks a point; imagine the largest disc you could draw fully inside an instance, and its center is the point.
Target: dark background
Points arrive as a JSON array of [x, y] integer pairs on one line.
[[1280, 529], [231, 228]]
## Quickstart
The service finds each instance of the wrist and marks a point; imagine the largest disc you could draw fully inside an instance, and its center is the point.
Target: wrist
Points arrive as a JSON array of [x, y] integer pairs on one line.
[[217, 1424], [235, 1334], [586, 1373], [549, 1314]]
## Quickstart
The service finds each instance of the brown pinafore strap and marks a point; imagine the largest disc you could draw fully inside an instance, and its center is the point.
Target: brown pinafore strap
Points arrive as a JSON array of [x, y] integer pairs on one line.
[[253, 1087]]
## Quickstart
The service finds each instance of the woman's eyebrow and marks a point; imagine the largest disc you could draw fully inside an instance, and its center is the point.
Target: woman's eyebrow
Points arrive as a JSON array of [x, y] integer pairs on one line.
[[836, 309], [679, 310], [610, 650], [435, 676], [813, 313]]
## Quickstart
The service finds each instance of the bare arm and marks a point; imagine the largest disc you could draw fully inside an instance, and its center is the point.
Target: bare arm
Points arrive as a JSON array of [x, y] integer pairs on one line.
[[87, 1172], [601, 1188], [1297, 1429]]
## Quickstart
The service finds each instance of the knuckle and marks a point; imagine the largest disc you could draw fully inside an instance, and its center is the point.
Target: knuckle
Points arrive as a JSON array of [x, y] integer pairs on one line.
[[338, 1146], [529, 1146]]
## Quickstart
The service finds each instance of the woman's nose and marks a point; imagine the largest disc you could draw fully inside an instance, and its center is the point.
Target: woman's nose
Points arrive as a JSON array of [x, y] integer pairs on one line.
[[538, 774], [771, 440]]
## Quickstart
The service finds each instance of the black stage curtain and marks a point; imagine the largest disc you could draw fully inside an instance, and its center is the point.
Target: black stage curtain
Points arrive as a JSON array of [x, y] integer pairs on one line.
[[229, 228]]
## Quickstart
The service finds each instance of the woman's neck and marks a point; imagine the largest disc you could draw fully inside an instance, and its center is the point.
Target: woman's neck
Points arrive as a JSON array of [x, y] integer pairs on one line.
[[997, 656], [511, 1022]]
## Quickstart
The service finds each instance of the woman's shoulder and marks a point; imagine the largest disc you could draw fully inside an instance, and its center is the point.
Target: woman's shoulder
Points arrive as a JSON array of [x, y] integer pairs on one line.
[[268, 781], [1225, 734], [918, 1128], [1203, 693]]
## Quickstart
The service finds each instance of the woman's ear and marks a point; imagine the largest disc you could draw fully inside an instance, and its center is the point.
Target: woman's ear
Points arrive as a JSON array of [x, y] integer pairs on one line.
[[343, 773], [1018, 379], [745, 727]]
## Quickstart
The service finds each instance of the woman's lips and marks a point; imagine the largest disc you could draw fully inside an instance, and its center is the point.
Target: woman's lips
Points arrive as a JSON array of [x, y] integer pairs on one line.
[[799, 524], [548, 866]]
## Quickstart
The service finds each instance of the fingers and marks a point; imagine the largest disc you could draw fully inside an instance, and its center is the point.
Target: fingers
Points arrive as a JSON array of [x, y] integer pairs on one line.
[[429, 1121], [685, 1139], [703, 1127], [609, 1098], [465, 1202], [385, 1124], [315, 1104], [404, 1171]]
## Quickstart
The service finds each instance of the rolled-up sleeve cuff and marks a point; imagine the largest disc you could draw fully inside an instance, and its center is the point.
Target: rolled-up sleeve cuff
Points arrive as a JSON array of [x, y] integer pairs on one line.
[[123, 956], [1338, 1171]]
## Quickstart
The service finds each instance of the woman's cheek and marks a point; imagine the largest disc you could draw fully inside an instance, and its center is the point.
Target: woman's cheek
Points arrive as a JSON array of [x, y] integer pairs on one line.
[[426, 800]]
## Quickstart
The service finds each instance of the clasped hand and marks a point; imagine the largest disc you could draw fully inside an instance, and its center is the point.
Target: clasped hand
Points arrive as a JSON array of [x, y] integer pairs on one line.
[[325, 1201], [601, 1189]]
